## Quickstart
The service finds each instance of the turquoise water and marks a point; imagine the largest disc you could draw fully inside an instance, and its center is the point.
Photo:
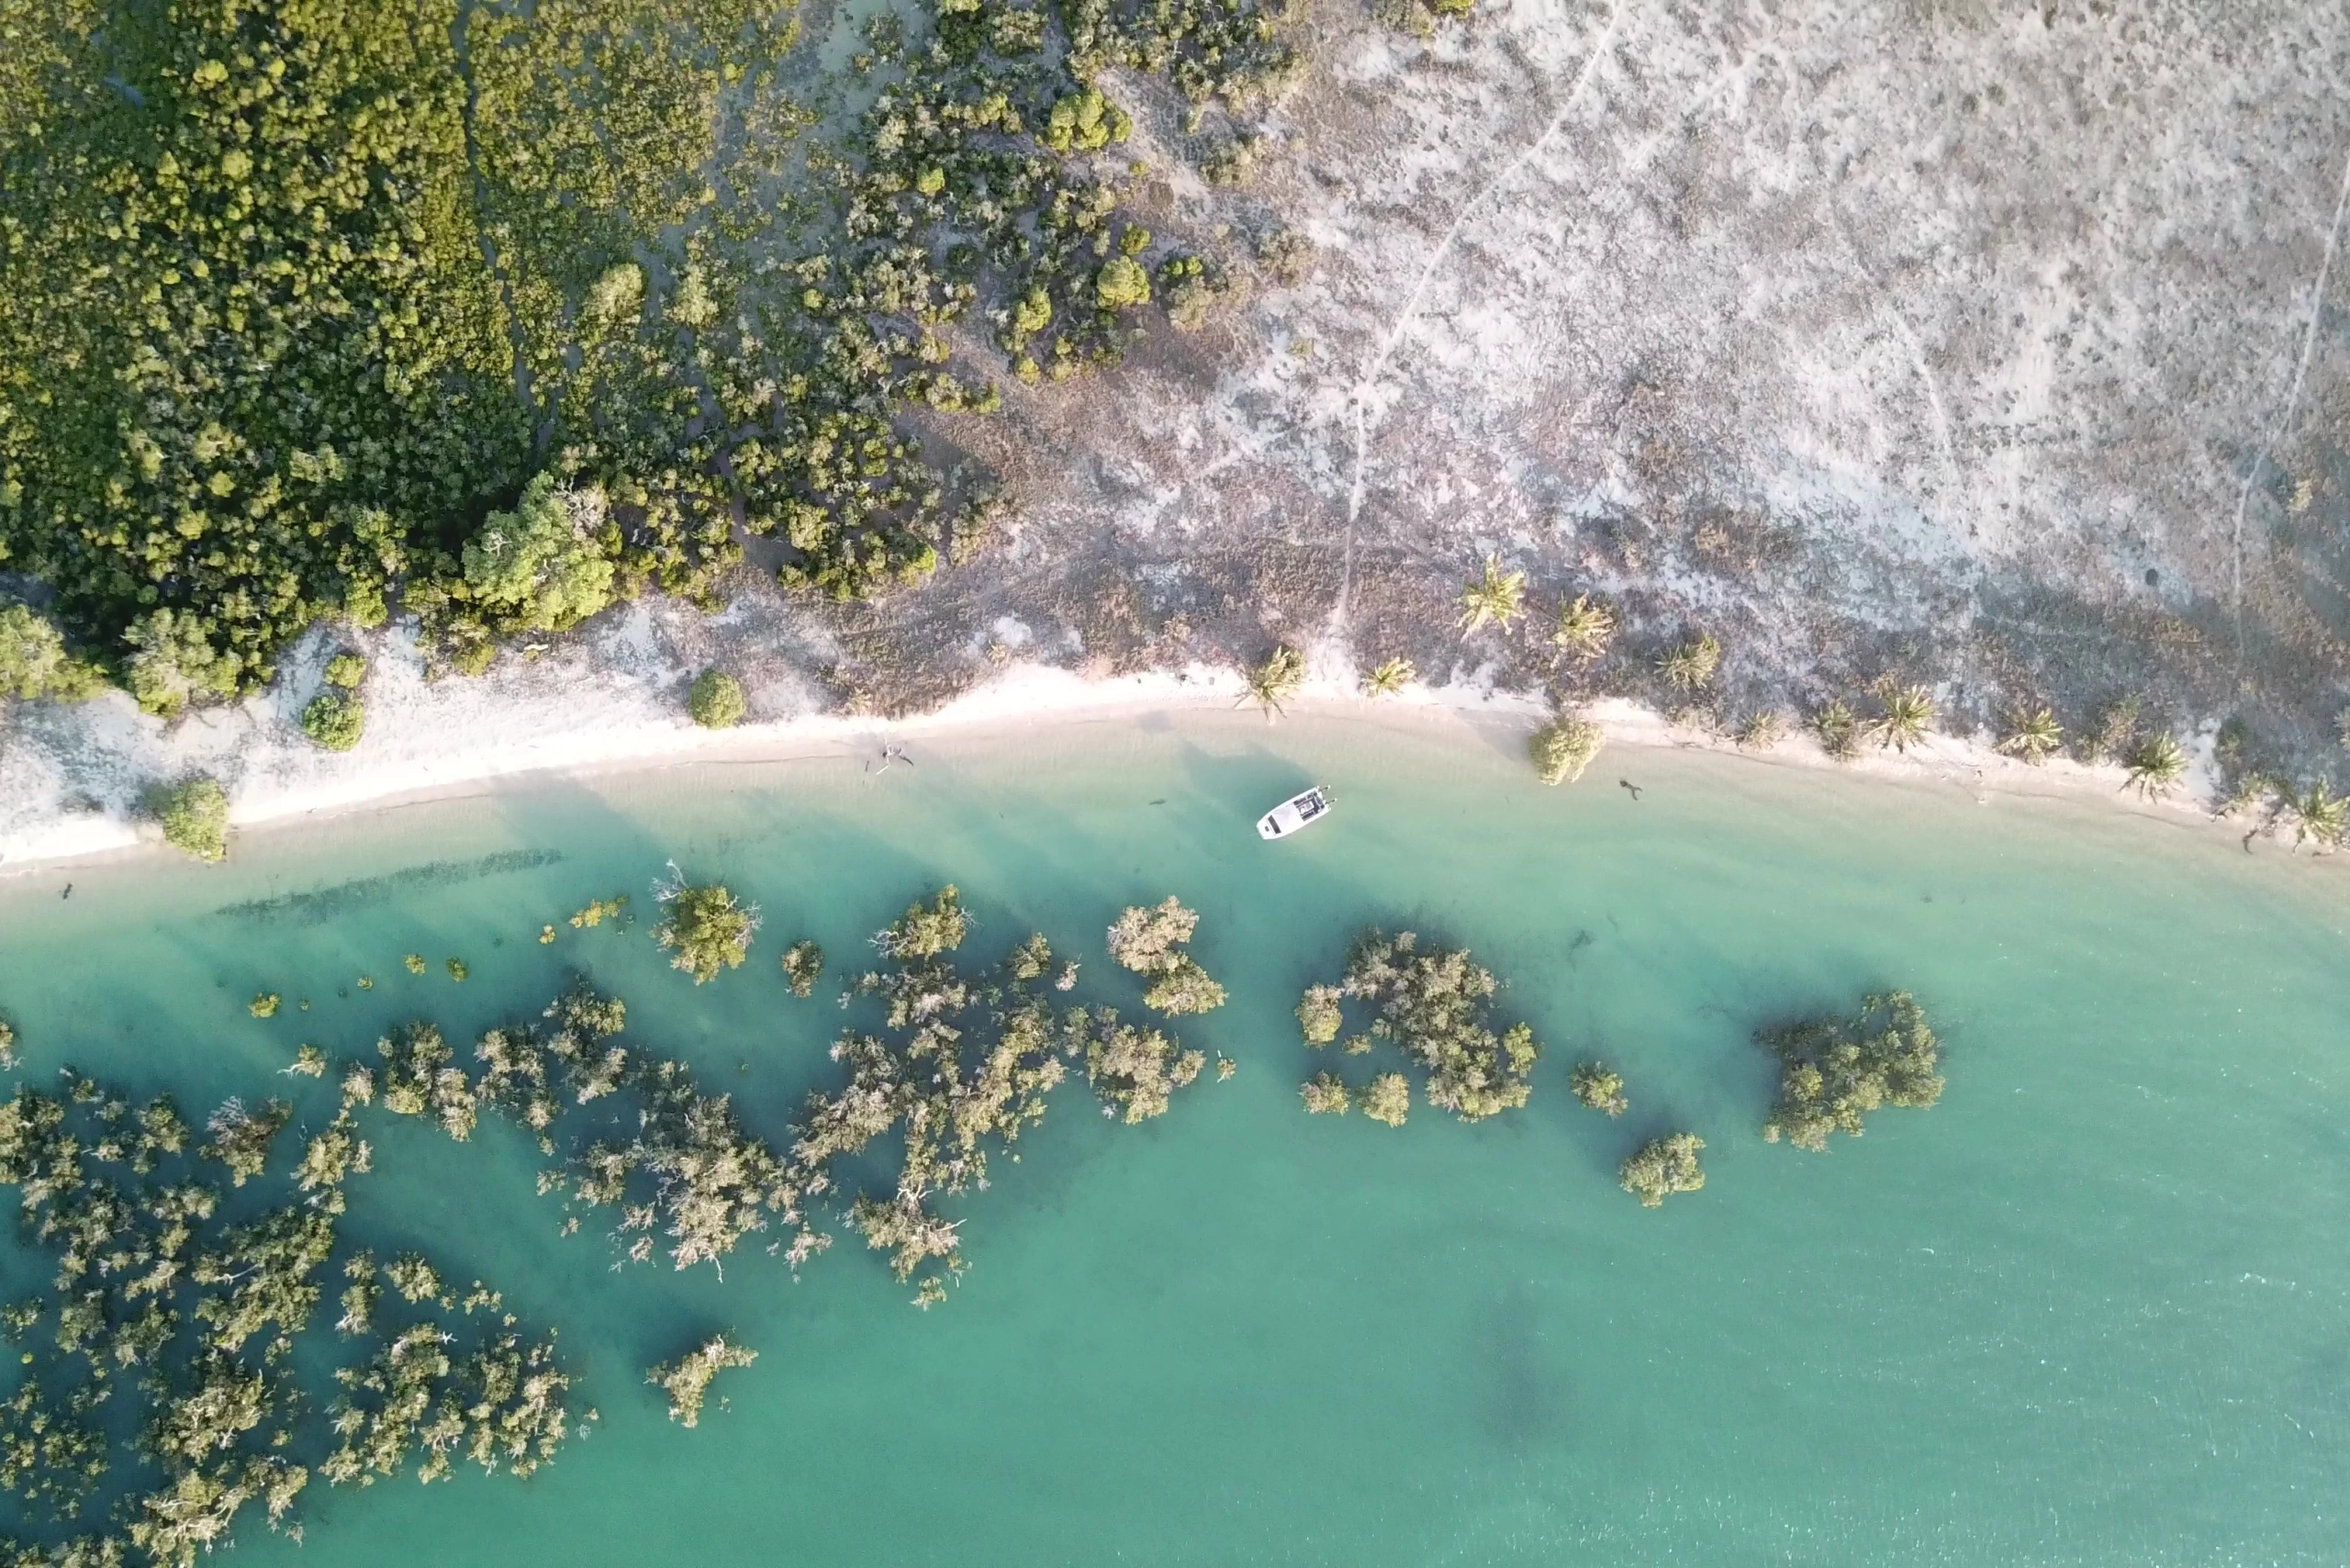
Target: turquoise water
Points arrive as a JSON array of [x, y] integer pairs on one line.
[[2093, 1308]]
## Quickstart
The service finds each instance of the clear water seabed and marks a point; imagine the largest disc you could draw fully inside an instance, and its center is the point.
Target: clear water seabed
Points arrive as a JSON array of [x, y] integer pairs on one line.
[[2093, 1308]]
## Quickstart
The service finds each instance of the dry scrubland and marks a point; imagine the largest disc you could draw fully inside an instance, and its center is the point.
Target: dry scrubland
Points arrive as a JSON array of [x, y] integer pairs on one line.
[[1998, 348]]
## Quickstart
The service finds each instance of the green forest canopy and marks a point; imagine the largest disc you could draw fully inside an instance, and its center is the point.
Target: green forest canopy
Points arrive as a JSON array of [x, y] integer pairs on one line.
[[320, 307]]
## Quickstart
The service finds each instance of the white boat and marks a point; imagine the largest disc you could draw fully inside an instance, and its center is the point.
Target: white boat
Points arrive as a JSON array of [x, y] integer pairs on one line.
[[1297, 811]]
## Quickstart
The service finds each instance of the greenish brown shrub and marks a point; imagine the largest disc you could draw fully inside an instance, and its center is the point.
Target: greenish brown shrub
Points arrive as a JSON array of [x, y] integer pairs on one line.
[[1563, 748], [1833, 1071], [1600, 1087], [716, 701], [335, 720], [194, 817], [1662, 1166]]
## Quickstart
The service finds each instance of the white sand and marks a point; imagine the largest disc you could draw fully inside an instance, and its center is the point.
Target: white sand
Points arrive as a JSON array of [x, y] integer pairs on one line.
[[69, 780]]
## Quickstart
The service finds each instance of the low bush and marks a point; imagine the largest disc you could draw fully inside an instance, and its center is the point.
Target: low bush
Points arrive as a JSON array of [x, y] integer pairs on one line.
[[716, 701], [194, 816]]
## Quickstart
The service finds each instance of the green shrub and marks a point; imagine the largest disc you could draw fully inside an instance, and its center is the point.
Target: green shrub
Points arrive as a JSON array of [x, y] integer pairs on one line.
[[1270, 685], [1388, 1098], [1600, 1087], [1232, 160], [1833, 1071], [194, 817], [804, 963], [687, 1380], [34, 663], [1563, 748], [716, 701], [174, 664], [1325, 1095], [335, 720], [348, 671], [1122, 284], [706, 930], [1662, 1166], [1693, 664], [1286, 256], [1086, 122], [537, 567]]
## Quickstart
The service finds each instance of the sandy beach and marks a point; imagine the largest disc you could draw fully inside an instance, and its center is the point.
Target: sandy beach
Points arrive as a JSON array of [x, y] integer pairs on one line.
[[71, 780]]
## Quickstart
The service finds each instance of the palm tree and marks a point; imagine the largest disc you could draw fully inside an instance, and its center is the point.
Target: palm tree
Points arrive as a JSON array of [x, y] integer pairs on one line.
[[2324, 816], [1389, 678], [1499, 596], [1839, 730], [1762, 732], [1691, 665], [2155, 764], [1584, 628], [1275, 681], [2033, 736], [1907, 710]]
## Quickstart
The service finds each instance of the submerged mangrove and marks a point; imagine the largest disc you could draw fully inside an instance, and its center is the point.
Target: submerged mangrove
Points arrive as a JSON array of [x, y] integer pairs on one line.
[[1435, 1006], [1833, 1071]]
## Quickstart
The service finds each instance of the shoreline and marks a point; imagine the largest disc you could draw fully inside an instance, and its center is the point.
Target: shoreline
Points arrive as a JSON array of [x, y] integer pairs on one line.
[[410, 769]]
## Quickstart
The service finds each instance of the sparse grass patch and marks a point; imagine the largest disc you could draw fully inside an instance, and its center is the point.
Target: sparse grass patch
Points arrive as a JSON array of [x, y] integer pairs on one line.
[[1693, 664], [2156, 764], [1391, 677], [1495, 597], [1839, 730], [1584, 628], [1904, 711], [1270, 685], [2032, 736]]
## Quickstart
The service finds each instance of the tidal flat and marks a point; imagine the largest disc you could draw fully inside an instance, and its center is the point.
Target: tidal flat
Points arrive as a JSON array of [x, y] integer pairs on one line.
[[2087, 1309]]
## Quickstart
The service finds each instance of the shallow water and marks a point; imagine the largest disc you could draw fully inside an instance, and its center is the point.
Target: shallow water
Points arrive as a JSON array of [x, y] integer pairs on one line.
[[2093, 1308]]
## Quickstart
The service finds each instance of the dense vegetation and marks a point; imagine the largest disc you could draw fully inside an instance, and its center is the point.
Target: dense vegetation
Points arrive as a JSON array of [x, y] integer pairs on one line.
[[175, 1314], [1661, 1167], [687, 1380], [705, 928], [194, 817], [497, 313], [803, 965], [1599, 1086], [1433, 1006], [1152, 942], [337, 716], [193, 1265], [716, 700], [1833, 1071]]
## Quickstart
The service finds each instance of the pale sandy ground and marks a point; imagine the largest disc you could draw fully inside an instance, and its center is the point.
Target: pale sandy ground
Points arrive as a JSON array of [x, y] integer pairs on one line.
[[455, 738]]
